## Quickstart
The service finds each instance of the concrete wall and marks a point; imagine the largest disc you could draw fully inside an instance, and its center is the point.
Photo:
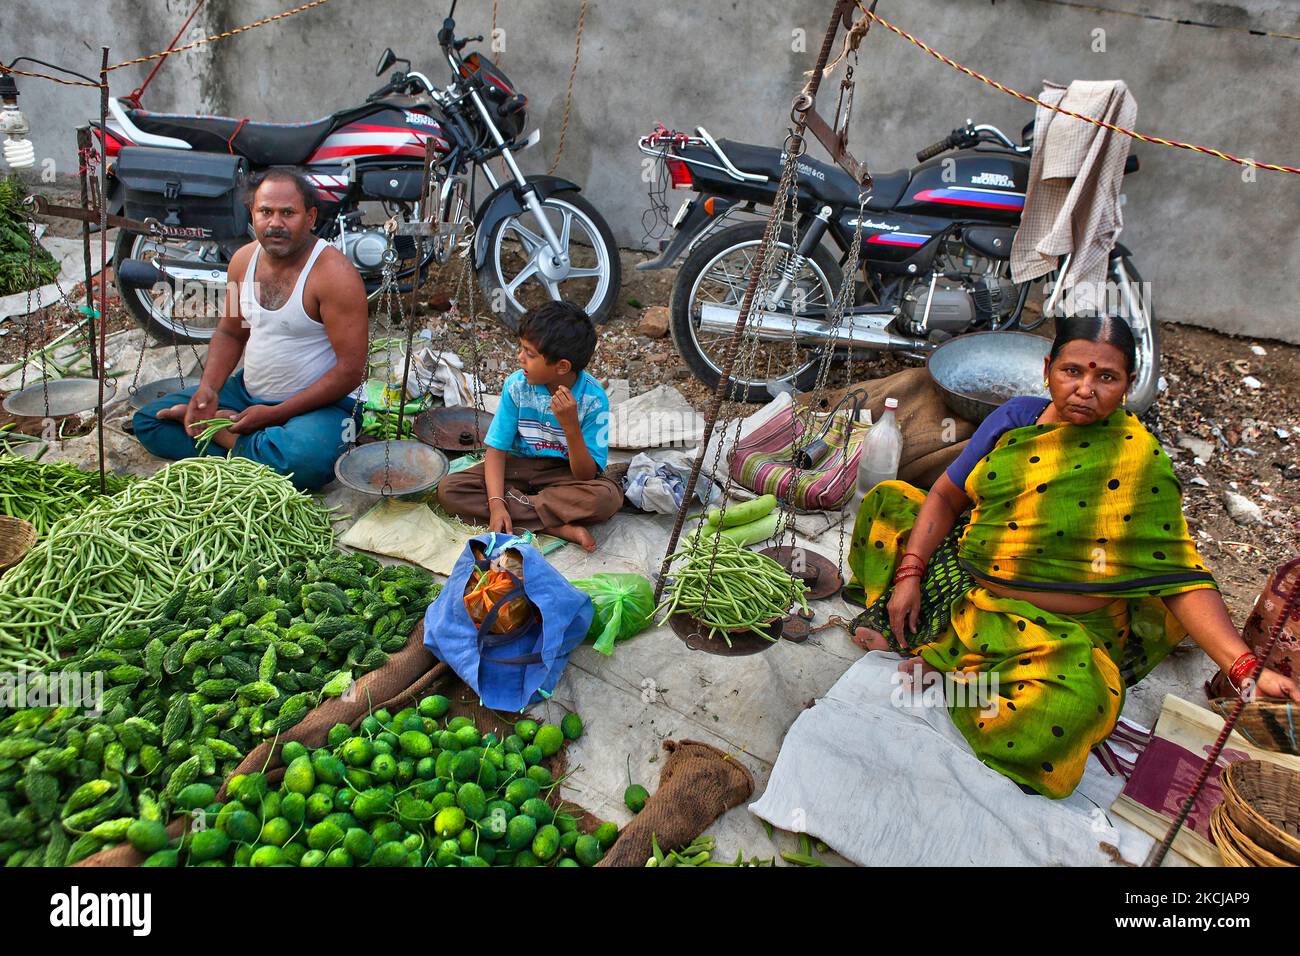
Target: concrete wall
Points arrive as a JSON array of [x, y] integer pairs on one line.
[[1219, 247]]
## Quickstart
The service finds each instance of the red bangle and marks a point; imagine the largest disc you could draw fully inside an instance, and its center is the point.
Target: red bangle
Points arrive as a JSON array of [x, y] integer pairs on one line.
[[909, 571], [1242, 668]]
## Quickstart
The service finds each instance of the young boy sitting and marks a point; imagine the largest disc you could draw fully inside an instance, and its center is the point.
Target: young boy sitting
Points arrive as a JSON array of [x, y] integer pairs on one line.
[[548, 443]]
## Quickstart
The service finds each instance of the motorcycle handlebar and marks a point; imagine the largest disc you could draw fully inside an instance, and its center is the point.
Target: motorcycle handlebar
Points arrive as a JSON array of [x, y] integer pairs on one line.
[[935, 149]]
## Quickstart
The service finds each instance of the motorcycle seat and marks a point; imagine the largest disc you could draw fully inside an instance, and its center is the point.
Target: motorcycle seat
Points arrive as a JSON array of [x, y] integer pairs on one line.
[[887, 189], [826, 182], [263, 144]]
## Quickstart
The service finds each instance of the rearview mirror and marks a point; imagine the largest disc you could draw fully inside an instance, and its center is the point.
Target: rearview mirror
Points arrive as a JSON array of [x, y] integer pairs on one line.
[[387, 59]]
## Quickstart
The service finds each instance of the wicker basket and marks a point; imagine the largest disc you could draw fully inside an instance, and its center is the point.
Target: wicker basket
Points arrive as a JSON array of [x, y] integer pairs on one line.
[[1263, 801], [1268, 724], [1225, 839], [16, 539], [1234, 846]]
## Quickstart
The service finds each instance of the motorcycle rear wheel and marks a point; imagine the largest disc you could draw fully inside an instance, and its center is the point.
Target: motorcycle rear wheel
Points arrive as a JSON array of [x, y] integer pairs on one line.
[[164, 320], [719, 268]]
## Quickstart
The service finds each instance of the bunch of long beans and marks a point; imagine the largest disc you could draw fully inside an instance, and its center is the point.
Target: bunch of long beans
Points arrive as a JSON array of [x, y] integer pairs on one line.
[[737, 591], [117, 562], [210, 428], [44, 493]]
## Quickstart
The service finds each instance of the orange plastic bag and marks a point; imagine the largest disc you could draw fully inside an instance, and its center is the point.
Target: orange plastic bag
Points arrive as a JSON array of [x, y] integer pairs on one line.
[[485, 589]]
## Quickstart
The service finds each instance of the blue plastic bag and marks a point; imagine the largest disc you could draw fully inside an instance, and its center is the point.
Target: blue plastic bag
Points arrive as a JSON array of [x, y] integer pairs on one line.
[[508, 671]]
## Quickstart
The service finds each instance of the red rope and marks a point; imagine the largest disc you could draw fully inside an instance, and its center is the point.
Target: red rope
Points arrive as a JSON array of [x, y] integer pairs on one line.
[[230, 143], [134, 98]]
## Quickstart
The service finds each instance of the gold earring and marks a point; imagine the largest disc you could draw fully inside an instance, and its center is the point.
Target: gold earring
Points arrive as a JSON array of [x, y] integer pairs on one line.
[[1045, 383], [1124, 400]]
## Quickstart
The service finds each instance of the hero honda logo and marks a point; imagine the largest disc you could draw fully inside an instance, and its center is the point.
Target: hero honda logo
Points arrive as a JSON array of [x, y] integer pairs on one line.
[[993, 179], [420, 119]]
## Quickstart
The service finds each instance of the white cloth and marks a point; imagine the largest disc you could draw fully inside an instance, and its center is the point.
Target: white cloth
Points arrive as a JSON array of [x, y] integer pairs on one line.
[[442, 374], [658, 482], [287, 350], [888, 782], [1072, 206], [659, 418]]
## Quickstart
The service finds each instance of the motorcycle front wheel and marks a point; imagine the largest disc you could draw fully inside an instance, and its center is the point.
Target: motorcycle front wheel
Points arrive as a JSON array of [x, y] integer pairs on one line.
[[717, 272], [515, 274]]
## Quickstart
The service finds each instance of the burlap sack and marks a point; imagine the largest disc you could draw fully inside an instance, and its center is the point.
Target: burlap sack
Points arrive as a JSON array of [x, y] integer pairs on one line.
[[933, 434], [697, 785], [400, 671]]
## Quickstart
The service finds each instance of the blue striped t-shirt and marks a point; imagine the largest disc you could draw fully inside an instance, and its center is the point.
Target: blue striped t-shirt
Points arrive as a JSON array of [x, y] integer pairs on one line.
[[523, 424]]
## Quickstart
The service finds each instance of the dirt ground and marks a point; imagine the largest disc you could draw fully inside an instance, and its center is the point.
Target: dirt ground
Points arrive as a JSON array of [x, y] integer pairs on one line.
[[1241, 439]]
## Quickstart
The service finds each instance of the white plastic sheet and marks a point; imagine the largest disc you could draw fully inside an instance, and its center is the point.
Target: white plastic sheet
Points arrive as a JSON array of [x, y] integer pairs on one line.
[[882, 783]]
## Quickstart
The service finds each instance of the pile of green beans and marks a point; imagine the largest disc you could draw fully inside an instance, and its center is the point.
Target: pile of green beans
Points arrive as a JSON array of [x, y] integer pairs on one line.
[[738, 591], [119, 560], [44, 493]]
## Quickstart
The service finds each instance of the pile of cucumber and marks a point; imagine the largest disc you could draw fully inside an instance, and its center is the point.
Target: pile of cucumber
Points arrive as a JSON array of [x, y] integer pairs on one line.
[[743, 524]]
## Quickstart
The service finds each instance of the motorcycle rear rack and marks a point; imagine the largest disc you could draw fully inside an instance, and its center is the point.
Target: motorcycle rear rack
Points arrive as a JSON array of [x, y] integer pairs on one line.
[[656, 143]]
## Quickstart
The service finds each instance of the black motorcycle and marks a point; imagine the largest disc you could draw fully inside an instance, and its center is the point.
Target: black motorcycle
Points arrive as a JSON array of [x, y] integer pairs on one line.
[[534, 237], [934, 262]]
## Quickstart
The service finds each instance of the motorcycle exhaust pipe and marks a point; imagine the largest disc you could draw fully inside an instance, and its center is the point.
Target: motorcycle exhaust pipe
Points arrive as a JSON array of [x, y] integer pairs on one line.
[[776, 327], [145, 274], [138, 274]]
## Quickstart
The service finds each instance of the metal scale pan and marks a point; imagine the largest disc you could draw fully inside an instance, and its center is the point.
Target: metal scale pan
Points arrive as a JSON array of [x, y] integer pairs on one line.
[[67, 396], [408, 468], [152, 391], [452, 429]]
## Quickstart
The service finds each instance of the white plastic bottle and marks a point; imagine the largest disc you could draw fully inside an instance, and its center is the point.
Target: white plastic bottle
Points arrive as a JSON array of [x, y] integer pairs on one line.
[[881, 450]]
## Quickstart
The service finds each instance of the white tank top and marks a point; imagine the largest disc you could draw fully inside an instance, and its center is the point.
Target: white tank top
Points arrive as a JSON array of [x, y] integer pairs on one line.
[[287, 349]]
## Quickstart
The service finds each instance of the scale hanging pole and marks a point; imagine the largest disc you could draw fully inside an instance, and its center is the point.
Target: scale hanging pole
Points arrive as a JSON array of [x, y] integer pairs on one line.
[[802, 106], [103, 271], [84, 151]]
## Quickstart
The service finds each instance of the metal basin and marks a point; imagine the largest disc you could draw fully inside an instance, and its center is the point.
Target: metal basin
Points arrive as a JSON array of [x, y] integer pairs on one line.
[[67, 396], [978, 372], [408, 468], [152, 391], [452, 429]]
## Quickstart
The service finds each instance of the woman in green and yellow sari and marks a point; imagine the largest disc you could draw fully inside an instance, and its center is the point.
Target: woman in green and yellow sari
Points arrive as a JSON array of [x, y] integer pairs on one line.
[[1072, 576]]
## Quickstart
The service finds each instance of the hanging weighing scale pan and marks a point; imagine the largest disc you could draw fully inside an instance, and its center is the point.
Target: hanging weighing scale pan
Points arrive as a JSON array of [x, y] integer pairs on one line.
[[66, 396], [816, 571], [452, 429], [152, 391], [408, 468]]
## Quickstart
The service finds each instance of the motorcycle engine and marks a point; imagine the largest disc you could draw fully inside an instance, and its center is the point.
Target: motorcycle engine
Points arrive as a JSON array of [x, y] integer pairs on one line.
[[365, 245], [957, 304], [366, 249]]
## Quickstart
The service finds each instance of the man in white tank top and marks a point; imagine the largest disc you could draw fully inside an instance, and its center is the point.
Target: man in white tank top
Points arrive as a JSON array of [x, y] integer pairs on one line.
[[296, 314]]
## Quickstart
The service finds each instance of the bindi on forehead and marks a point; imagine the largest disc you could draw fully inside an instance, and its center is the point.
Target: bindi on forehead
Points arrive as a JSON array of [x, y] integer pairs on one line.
[[1092, 365]]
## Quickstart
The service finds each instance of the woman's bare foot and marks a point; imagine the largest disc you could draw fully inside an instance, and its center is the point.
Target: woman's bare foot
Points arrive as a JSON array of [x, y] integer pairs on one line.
[[870, 640], [916, 667], [575, 533]]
